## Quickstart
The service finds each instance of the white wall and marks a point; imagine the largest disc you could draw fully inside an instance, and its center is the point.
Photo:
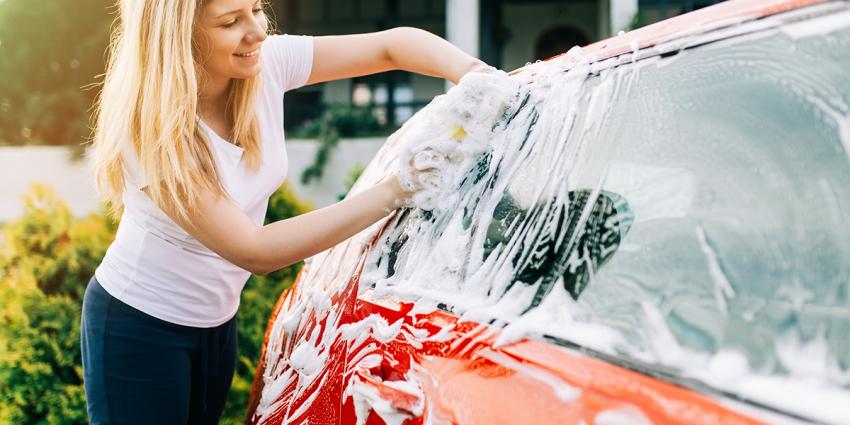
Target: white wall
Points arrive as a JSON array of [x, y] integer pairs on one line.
[[347, 154], [622, 12], [462, 24], [20, 167], [462, 27], [74, 181]]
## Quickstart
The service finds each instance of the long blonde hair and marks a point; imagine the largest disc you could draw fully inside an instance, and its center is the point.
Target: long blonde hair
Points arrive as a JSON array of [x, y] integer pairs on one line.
[[150, 100]]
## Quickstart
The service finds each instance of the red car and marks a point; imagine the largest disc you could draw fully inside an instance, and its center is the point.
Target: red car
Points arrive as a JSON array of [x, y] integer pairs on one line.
[[656, 233]]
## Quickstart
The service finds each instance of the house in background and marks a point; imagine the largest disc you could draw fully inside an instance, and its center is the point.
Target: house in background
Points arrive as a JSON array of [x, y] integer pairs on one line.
[[504, 33]]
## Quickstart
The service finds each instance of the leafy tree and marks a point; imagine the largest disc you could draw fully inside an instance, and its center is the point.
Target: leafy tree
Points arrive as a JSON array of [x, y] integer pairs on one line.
[[50, 51]]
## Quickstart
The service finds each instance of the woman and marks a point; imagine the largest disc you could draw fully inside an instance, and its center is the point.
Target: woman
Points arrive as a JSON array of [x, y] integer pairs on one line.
[[189, 143]]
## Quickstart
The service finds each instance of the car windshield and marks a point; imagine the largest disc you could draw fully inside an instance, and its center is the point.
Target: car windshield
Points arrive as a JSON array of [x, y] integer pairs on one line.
[[682, 209]]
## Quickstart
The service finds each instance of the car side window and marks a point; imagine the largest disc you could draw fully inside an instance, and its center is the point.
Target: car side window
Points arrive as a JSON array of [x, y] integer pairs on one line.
[[735, 160]]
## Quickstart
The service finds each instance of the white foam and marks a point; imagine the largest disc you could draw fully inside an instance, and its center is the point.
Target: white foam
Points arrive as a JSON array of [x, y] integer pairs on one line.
[[626, 415], [723, 289], [525, 137], [560, 389], [443, 261], [818, 26], [440, 146]]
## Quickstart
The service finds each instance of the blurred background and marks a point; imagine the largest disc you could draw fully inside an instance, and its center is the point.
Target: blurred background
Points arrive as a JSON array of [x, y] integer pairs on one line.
[[52, 52], [55, 231]]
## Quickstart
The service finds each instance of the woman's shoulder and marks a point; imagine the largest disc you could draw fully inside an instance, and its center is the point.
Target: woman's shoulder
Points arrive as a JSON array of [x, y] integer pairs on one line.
[[287, 59]]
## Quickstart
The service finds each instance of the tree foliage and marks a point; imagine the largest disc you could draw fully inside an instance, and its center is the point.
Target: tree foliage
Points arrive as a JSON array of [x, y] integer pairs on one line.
[[50, 50], [42, 259], [46, 259], [60, 252]]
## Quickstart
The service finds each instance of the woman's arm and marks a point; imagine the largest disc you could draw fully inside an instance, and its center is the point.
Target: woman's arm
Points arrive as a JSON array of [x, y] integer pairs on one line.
[[223, 228], [404, 48]]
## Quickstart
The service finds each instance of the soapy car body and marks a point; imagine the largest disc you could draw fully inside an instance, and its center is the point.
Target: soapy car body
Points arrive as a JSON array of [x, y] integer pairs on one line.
[[655, 234]]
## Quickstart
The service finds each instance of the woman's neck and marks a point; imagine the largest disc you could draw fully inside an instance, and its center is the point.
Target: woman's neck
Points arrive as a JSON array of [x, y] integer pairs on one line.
[[212, 98]]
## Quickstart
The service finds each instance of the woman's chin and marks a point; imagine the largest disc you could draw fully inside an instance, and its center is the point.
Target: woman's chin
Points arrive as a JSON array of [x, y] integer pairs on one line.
[[244, 74]]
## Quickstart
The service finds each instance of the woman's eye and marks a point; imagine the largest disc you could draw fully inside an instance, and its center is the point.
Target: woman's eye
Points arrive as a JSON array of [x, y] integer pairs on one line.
[[233, 22]]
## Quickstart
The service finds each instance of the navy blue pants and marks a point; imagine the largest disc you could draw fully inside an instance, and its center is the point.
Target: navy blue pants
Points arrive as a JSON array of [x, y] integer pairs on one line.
[[138, 369]]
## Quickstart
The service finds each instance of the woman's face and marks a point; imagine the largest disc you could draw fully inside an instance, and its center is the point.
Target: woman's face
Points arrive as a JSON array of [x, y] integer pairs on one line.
[[228, 35]]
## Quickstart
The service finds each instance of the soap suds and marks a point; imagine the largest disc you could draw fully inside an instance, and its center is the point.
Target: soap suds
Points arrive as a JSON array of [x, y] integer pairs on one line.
[[442, 144], [495, 234]]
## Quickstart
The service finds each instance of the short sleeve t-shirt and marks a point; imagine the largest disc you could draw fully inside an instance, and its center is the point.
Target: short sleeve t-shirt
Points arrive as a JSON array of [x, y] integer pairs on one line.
[[154, 265]]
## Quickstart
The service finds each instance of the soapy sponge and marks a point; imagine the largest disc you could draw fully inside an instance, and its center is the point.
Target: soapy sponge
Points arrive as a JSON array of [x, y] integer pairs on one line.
[[442, 144]]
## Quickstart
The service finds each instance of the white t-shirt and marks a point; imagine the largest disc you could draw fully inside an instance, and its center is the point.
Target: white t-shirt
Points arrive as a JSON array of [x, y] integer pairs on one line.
[[154, 265]]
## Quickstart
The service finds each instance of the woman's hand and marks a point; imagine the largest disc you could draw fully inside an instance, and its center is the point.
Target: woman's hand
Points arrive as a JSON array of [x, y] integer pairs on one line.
[[399, 195], [475, 65]]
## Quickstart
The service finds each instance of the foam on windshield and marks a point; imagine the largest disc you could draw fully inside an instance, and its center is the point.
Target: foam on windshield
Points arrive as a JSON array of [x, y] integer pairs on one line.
[[441, 146], [514, 157]]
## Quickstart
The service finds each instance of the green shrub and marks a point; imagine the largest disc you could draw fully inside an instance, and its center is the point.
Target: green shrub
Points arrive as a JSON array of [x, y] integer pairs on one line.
[[353, 174], [40, 367], [48, 243], [42, 256], [46, 259]]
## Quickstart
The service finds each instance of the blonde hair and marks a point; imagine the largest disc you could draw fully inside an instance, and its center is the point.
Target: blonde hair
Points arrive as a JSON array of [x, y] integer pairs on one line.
[[150, 100]]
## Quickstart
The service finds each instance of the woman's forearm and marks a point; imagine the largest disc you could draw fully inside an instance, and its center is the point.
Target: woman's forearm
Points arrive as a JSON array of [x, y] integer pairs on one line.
[[416, 50], [288, 241]]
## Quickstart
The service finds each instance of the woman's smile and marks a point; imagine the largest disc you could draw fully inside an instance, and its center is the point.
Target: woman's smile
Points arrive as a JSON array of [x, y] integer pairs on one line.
[[248, 54]]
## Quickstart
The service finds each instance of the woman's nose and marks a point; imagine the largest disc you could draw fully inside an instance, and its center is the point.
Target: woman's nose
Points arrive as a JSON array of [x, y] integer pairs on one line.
[[257, 33]]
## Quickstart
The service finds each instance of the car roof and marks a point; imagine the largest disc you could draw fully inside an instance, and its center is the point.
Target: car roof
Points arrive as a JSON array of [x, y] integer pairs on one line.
[[713, 17]]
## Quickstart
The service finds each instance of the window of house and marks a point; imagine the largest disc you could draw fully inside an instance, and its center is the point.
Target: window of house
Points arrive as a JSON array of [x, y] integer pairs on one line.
[[388, 95]]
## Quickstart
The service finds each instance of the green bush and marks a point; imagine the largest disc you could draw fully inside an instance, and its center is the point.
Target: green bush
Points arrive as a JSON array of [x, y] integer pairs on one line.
[[40, 367], [46, 259], [42, 258], [353, 174], [61, 253]]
